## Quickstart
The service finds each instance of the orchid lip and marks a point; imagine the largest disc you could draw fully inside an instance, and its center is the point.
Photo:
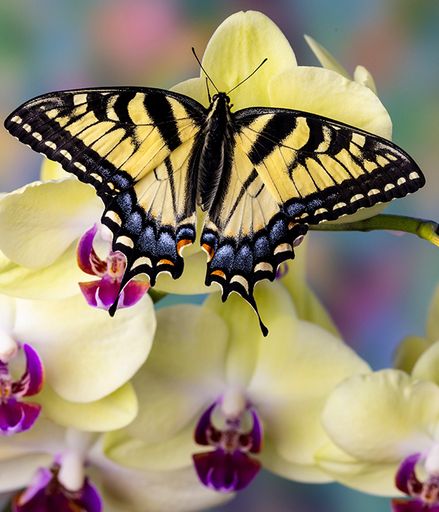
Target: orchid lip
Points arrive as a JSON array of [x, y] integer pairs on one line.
[[46, 493], [105, 291], [424, 494], [17, 416], [228, 467]]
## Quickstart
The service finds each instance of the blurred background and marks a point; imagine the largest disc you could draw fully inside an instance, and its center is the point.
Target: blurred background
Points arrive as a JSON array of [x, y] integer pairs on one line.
[[377, 286]]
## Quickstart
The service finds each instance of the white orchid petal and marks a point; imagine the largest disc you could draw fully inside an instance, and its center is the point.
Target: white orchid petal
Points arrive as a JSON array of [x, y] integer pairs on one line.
[[16, 473], [82, 346], [41, 220]]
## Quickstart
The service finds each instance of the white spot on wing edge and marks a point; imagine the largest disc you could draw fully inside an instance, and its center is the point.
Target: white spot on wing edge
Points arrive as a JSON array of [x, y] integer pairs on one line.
[[282, 248], [241, 280], [413, 175], [143, 260], [125, 240], [17, 119], [37, 136]]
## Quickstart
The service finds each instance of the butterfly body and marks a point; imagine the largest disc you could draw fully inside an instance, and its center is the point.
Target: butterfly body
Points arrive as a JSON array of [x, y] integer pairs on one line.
[[261, 175]]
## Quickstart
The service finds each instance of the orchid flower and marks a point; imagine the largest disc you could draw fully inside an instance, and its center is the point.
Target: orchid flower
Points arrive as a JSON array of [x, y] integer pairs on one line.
[[216, 394], [383, 427], [53, 468], [41, 223], [79, 348]]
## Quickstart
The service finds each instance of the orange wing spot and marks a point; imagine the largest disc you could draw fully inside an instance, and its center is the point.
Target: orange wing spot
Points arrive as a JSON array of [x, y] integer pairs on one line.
[[219, 273], [166, 262], [208, 250], [182, 244]]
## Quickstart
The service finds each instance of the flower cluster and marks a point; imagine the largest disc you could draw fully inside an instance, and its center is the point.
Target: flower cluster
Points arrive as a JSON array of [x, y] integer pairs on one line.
[[179, 407]]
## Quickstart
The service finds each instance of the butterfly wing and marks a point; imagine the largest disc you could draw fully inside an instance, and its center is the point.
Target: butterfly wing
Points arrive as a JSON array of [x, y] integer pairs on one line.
[[134, 146], [319, 169], [246, 234], [290, 169]]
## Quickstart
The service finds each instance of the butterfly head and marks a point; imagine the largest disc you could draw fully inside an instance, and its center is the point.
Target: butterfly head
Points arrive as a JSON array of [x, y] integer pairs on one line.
[[221, 97]]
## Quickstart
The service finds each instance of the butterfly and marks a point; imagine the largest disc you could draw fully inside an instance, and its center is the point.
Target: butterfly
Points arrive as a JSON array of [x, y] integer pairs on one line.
[[260, 175]]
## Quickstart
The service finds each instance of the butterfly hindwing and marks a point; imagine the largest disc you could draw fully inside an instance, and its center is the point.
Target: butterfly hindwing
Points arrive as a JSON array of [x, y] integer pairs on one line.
[[134, 146], [319, 169], [246, 235]]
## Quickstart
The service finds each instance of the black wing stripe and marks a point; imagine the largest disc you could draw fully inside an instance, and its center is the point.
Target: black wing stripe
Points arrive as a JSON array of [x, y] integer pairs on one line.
[[271, 135], [158, 108]]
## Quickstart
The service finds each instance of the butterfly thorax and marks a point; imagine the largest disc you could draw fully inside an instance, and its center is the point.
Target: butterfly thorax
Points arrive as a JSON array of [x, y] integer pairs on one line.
[[214, 151]]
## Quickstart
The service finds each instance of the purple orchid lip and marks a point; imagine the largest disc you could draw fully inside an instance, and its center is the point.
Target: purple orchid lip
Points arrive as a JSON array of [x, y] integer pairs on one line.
[[104, 292], [17, 416], [228, 467], [45, 493], [424, 495]]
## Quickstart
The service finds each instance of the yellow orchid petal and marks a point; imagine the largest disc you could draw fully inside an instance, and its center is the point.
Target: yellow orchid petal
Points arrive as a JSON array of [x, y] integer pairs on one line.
[[409, 351], [194, 88], [56, 281], [192, 280], [427, 366], [364, 77], [40, 221], [172, 453], [115, 410], [326, 93], [295, 435], [326, 59], [373, 478], [277, 311], [274, 462], [183, 373], [234, 51], [433, 318], [308, 307], [51, 170], [382, 417], [160, 491], [288, 367], [7, 314], [82, 346]]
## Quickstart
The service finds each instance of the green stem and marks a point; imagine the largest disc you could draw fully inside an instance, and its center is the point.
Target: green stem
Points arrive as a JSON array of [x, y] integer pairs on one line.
[[426, 229], [156, 295]]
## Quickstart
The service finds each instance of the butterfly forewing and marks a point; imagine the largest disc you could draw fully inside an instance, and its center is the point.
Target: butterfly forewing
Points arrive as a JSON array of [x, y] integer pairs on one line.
[[319, 169], [134, 146]]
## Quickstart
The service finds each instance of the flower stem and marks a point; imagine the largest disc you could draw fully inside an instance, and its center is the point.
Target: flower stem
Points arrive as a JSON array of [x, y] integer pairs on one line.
[[156, 295], [426, 229]]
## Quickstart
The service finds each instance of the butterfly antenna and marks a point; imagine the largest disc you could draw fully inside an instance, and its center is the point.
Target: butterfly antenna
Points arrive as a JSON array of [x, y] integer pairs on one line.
[[249, 76], [204, 71], [208, 92]]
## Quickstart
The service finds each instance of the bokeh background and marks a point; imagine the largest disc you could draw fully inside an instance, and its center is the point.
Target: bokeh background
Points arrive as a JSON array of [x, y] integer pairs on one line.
[[377, 286]]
